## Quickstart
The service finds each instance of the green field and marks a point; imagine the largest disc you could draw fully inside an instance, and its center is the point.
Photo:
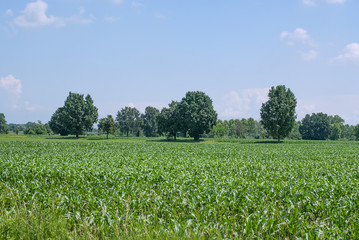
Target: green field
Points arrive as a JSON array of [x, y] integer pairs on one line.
[[93, 188]]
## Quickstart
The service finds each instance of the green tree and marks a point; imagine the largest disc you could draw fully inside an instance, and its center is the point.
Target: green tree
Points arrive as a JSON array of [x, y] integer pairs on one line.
[[16, 130], [129, 120], [356, 132], [150, 127], [335, 131], [76, 116], [278, 113], [58, 122], [197, 114], [295, 134], [315, 126], [169, 120], [107, 125], [3, 125], [218, 130]]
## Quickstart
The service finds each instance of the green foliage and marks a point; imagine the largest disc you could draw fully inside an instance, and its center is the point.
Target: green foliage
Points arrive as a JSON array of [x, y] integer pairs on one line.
[[4, 129], [356, 132], [218, 130], [150, 127], [278, 113], [197, 114], [129, 120], [295, 134], [37, 128], [76, 116], [315, 126], [107, 125], [136, 189], [336, 131], [169, 120]]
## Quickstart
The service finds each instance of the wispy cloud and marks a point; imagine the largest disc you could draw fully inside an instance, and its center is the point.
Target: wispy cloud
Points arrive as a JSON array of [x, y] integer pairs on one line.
[[160, 15], [35, 15], [299, 35], [239, 105], [314, 2], [342, 105], [11, 84], [9, 13], [137, 4], [117, 1], [309, 55], [349, 54]]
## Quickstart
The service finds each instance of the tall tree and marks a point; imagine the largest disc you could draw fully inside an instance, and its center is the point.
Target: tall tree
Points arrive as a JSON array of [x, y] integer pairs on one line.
[[107, 125], [58, 122], [197, 113], [169, 120], [129, 120], [76, 116], [149, 121], [315, 126], [3, 125], [278, 113]]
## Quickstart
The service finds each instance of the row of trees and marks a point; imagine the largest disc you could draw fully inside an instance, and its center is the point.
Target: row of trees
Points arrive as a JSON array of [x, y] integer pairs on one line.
[[194, 115]]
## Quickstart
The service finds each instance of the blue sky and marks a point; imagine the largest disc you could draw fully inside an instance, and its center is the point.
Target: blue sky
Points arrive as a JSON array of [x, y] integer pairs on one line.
[[141, 53]]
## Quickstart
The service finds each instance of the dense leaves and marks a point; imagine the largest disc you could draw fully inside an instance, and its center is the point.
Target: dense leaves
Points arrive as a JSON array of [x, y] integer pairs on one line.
[[129, 120], [169, 120], [315, 126], [278, 113], [197, 114], [3, 126], [150, 127], [107, 125], [76, 116]]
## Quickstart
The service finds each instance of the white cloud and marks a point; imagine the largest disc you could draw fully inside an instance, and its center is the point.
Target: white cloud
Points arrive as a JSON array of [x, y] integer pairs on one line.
[[8, 13], [239, 105], [310, 55], [342, 105], [299, 35], [313, 2], [160, 16], [335, 1], [34, 15], [137, 4], [349, 54], [308, 2], [112, 19], [117, 1], [11, 84]]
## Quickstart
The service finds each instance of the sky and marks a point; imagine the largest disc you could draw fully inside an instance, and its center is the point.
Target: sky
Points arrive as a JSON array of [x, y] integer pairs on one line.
[[148, 53]]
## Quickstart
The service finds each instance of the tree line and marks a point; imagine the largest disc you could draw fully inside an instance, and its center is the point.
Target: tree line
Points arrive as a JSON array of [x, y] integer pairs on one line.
[[192, 116]]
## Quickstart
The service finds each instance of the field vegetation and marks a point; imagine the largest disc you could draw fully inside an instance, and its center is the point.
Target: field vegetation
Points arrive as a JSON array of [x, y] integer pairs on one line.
[[140, 188]]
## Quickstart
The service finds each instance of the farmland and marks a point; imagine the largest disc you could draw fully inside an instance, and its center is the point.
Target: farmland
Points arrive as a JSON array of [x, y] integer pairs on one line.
[[135, 188]]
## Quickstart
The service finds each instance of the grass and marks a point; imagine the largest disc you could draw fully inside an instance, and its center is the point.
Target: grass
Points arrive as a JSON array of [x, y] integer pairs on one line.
[[140, 188]]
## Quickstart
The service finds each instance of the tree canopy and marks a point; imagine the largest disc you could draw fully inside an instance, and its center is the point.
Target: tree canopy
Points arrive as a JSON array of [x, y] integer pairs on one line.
[[129, 120], [150, 127], [3, 126], [76, 116], [169, 120], [278, 113], [197, 114], [315, 126], [107, 125]]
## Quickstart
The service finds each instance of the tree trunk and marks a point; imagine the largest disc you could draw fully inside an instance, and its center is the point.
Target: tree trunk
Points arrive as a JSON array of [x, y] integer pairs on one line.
[[127, 132], [77, 135], [107, 135], [175, 136], [278, 139]]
